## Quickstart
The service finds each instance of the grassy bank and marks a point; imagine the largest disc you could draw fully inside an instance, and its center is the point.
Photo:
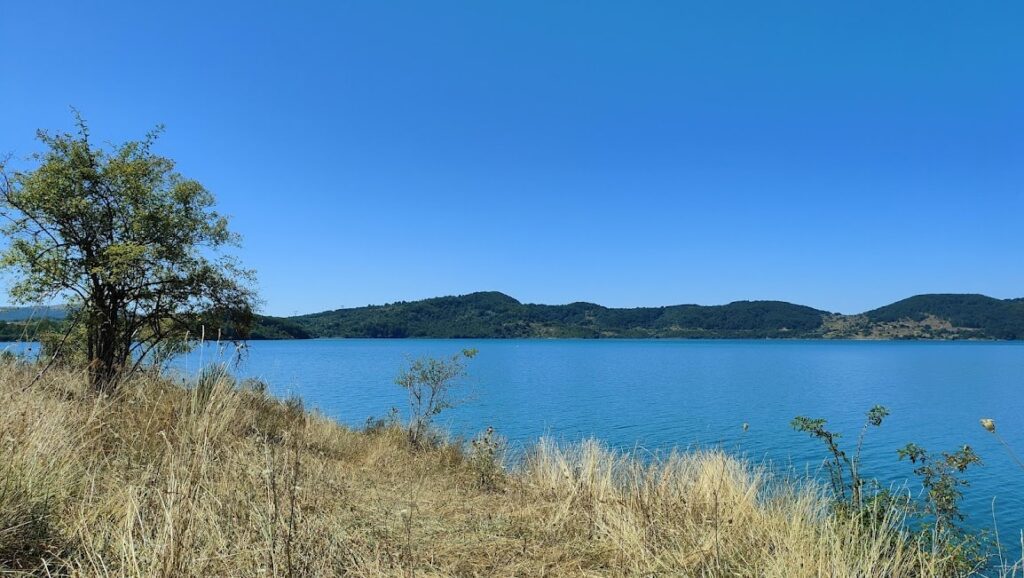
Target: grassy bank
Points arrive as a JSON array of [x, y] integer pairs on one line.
[[221, 479]]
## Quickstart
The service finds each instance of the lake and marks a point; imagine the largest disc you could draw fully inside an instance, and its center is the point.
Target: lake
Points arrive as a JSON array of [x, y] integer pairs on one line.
[[659, 394]]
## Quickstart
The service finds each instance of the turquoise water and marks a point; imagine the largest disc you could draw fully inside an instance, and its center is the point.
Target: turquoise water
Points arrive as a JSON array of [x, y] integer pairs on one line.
[[658, 394]]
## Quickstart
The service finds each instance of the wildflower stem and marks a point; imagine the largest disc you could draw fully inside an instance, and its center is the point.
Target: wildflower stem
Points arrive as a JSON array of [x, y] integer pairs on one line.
[[1009, 450]]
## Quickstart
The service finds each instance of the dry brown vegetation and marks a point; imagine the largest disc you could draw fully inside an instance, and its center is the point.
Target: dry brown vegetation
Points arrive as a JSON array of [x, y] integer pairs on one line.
[[862, 327], [219, 479]]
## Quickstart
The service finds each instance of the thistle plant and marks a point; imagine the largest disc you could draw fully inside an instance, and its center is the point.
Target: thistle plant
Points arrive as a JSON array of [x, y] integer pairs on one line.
[[841, 466], [485, 458]]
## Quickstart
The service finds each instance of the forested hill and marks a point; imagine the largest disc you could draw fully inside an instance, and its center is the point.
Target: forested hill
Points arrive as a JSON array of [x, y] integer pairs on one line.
[[962, 314], [493, 314]]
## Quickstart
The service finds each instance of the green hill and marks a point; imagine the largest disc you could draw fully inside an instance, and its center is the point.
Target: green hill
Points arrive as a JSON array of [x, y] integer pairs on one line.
[[969, 315], [28, 330], [28, 323], [493, 314], [278, 328]]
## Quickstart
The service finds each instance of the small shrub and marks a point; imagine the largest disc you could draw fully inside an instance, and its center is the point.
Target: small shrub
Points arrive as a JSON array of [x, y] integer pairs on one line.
[[486, 456], [961, 551], [375, 425], [429, 383]]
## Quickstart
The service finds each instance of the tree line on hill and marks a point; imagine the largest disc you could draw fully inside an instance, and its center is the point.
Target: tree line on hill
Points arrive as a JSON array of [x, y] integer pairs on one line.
[[496, 315]]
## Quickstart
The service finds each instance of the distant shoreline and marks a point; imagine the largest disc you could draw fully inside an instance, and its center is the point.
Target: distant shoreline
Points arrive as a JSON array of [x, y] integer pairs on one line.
[[494, 315], [945, 317]]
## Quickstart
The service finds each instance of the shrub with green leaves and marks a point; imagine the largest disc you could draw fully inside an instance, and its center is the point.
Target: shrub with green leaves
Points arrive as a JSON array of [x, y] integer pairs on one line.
[[941, 476], [429, 383], [933, 520]]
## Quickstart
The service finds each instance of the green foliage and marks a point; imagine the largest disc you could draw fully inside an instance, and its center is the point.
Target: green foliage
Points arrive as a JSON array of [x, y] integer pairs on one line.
[[941, 477], [277, 328], [937, 515], [429, 383], [65, 347], [28, 330], [209, 378], [876, 414], [844, 471], [133, 245]]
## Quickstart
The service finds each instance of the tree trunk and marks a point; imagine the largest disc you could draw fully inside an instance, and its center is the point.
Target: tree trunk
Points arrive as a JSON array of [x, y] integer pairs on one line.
[[105, 364]]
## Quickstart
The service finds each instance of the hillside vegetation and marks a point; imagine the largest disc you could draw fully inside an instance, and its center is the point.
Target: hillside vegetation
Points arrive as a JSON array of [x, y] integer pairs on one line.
[[493, 314], [496, 315], [966, 315], [28, 330], [219, 479]]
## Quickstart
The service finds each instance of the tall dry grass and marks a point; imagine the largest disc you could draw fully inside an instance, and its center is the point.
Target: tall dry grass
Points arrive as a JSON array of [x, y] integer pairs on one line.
[[219, 479]]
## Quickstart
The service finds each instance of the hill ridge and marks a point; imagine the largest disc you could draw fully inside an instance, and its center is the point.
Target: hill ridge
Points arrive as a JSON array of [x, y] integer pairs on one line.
[[493, 314]]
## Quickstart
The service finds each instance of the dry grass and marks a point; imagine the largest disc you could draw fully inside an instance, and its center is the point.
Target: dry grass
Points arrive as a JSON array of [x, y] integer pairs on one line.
[[222, 480]]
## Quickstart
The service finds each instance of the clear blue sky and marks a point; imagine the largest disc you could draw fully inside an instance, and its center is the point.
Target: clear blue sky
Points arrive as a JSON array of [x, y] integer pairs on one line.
[[835, 154]]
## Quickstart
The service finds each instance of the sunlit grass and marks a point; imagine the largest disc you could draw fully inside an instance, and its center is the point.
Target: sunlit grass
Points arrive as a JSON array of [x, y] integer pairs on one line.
[[222, 480]]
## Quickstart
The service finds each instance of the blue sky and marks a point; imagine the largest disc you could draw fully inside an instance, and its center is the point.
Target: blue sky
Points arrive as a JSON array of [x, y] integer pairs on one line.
[[837, 154]]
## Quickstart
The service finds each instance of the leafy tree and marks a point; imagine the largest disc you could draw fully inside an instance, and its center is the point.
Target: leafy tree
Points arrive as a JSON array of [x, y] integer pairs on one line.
[[132, 244]]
